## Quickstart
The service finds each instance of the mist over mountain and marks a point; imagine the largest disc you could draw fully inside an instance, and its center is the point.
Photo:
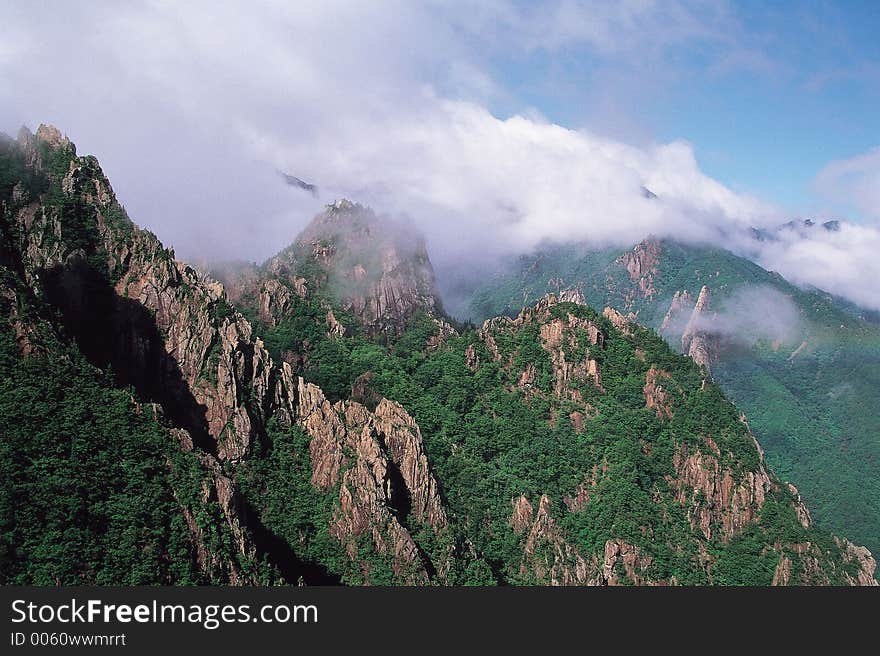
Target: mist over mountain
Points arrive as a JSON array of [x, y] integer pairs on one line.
[[335, 427], [410, 116], [465, 293], [801, 363]]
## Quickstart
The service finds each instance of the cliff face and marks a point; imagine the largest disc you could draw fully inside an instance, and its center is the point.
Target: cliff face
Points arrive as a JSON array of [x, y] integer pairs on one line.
[[376, 465], [697, 341], [373, 268], [171, 333], [685, 317], [167, 330], [681, 304], [158, 325], [562, 446], [641, 263]]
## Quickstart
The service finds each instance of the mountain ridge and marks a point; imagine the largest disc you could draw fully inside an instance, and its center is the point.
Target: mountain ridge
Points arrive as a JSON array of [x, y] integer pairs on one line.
[[801, 363], [624, 476], [382, 286]]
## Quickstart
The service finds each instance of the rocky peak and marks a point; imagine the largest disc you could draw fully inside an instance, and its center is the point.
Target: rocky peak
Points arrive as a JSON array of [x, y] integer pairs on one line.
[[375, 267], [571, 341], [169, 332], [617, 320], [547, 557], [541, 310], [51, 135], [376, 463], [696, 341], [47, 138], [681, 303], [641, 263], [159, 324]]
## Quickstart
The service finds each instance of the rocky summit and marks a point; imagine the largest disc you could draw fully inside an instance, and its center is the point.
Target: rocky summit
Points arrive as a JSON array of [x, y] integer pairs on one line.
[[322, 421], [371, 267]]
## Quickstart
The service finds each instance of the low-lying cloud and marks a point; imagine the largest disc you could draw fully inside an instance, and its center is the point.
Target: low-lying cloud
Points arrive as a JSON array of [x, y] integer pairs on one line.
[[753, 314], [844, 262], [193, 108]]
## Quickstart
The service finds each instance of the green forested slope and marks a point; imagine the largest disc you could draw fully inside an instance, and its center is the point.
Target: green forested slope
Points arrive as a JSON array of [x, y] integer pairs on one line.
[[92, 485], [492, 439], [815, 413], [560, 447]]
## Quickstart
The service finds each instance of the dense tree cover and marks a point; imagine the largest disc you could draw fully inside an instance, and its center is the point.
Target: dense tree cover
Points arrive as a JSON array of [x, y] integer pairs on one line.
[[86, 479], [815, 432], [94, 488], [490, 441], [815, 414]]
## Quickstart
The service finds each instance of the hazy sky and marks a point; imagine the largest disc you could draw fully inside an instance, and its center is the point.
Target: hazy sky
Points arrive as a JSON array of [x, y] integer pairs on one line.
[[492, 125]]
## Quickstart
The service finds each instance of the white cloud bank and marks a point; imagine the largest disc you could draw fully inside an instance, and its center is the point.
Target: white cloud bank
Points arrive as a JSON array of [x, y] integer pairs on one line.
[[844, 262], [191, 107]]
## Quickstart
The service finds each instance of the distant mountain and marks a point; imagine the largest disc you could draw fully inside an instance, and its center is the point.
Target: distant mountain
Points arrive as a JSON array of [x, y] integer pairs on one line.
[[370, 266], [151, 433], [803, 365], [296, 182], [803, 226]]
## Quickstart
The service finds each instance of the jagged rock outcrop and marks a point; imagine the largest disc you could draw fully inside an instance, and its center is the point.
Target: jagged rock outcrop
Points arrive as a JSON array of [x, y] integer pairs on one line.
[[30, 143], [717, 498], [697, 340], [220, 361], [376, 268], [617, 320], [571, 296], [445, 331], [809, 557], [170, 332], [485, 335], [656, 397], [403, 439], [561, 334], [865, 564], [547, 557], [803, 514], [622, 555], [159, 325], [641, 263], [472, 360], [550, 560], [180, 342], [274, 302], [566, 338], [377, 462], [218, 488], [682, 304], [334, 328]]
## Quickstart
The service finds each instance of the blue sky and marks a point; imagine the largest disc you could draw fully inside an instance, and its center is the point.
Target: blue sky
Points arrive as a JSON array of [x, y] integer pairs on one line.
[[779, 91]]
